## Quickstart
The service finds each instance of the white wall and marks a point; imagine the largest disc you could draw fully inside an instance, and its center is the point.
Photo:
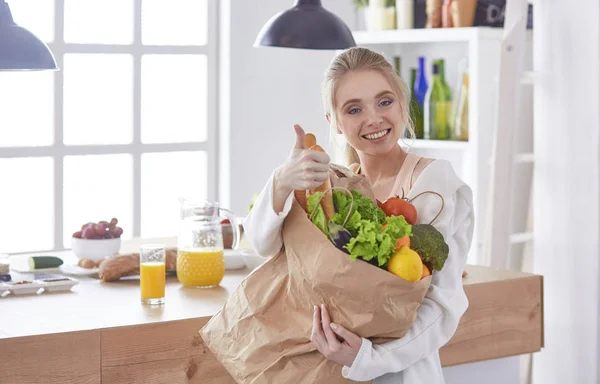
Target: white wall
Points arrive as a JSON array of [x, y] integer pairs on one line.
[[567, 190], [271, 90]]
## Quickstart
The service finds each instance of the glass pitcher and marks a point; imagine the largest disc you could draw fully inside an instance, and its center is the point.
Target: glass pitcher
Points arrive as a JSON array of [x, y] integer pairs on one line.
[[200, 260]]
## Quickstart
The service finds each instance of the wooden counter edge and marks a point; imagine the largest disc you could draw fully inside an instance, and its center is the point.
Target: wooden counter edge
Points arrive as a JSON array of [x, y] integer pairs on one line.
[[504, 318]]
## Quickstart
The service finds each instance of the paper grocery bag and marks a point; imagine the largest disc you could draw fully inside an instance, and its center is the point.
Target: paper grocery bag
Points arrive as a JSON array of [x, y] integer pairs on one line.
[[262, 333]]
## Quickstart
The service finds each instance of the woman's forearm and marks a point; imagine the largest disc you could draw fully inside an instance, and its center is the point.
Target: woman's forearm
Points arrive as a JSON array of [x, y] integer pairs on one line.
[[280, 192], [262, 226]]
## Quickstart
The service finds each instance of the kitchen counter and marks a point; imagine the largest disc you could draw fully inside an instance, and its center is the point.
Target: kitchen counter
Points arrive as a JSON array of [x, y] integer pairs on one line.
[[100, 333]]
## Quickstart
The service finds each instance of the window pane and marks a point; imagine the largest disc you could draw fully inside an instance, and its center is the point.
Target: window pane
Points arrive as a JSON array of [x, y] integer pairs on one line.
[[174, 22], [165, 178], [27, 100], [27, 204], [98, 99], [97, 187], [35, 15], [99, 21], [174, 90]]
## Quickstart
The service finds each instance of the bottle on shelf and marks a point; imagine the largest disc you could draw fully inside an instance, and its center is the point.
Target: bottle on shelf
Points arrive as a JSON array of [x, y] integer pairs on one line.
[[419, 89], [447, 14], [436, 109], [397, 66], [461, 121], [447, 93], [405, 12], [416, 110]]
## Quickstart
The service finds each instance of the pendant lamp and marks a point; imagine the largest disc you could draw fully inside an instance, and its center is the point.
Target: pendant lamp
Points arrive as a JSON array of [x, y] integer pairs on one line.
[[21, 50], [307, 26]]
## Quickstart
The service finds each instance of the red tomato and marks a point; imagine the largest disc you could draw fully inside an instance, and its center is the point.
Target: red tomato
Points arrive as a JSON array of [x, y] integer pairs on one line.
[[396, 206]]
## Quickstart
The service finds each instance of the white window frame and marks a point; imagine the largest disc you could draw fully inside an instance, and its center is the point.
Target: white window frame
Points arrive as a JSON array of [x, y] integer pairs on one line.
[[58, 150]]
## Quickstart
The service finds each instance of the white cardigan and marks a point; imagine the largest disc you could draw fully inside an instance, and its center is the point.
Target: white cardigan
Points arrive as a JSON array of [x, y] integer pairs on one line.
[[413, 358]]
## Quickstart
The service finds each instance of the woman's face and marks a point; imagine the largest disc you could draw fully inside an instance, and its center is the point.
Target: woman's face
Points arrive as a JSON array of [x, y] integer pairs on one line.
[[368, 112]]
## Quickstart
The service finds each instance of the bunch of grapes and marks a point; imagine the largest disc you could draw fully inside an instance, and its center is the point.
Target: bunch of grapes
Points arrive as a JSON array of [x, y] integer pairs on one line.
[[100, 230]]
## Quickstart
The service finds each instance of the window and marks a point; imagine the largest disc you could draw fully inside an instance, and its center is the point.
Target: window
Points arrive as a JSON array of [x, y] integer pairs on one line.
[[126, 127]]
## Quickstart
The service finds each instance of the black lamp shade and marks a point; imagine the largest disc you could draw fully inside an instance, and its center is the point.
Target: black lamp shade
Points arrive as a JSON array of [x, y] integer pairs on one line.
[[21, 50], [308, 26]]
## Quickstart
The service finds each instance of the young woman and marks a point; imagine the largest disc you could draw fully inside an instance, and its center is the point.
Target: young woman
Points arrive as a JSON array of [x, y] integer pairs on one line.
[[368, 103]]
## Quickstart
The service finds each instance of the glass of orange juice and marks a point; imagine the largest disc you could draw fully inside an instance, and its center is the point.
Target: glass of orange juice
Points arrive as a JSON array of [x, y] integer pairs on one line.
[[152, 274]]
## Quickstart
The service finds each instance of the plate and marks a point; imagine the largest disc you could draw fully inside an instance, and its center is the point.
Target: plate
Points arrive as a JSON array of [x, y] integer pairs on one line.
[[3, 289], [25, 289], [59, 284], [74, 269]]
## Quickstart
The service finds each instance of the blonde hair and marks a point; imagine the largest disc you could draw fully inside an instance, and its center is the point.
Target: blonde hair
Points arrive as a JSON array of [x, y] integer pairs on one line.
[[359, 58]]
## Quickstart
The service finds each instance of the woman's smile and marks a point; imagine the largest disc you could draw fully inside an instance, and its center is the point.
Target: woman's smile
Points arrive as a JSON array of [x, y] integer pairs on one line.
[[376, 136]]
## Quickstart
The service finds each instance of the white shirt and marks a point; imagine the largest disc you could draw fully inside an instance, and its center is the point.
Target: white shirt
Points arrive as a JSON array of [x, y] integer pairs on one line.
[[413, 358]]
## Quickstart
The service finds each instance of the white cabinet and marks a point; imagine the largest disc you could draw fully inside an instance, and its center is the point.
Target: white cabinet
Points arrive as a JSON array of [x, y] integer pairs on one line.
[[479, 49]]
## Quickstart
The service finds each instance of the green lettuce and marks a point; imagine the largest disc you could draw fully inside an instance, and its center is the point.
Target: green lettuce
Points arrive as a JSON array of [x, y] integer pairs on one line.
[[373, 234], [318, 218], [367, 209], [366, 223]]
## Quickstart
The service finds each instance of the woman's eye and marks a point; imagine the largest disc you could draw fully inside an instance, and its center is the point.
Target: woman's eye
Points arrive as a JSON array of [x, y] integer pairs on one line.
[[385, 103], [354, 111]]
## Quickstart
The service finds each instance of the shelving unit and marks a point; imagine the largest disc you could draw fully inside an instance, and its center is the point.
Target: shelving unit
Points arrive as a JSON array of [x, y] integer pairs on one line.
[[436, 144], [477, 48], [420, 36]]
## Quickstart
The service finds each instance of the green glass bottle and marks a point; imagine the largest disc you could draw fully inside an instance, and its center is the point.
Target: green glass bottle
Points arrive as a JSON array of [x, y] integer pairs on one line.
[[436, 109], [447, 90], [416, 111], [397, 66], [448, 96]]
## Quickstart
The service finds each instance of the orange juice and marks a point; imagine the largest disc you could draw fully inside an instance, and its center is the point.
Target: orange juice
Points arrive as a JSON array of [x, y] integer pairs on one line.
[[200, 267], [152, 281]]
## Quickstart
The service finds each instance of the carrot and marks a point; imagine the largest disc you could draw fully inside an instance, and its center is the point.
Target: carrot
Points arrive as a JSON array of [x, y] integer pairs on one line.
[[404, 240], [309, 140], [301, 199], [327, 200]]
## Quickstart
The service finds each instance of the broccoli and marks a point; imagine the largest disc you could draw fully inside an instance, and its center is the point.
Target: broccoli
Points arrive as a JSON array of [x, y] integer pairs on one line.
[[429, 243]]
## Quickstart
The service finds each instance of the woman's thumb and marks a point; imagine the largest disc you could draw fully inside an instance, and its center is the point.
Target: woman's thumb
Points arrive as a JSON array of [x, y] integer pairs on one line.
[[299, 137]]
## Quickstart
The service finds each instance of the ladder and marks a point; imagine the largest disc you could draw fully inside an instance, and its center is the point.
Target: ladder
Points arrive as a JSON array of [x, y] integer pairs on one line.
[[498, 238]]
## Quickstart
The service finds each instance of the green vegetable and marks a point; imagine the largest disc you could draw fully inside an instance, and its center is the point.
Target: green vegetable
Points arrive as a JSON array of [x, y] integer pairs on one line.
[[368, 234], [341, 202], [254, 198], [429, 243], [318, 218], [41, 262], [371, 242], [367, 209]]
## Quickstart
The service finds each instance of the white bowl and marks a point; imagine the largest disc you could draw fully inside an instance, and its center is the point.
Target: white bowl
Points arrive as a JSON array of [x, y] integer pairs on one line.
[[233, 259], [252, 259], [95, 249]]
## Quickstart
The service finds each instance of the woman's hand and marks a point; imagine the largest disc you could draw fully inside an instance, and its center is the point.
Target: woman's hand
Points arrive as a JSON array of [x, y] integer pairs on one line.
[[334, 341], [304, 169]]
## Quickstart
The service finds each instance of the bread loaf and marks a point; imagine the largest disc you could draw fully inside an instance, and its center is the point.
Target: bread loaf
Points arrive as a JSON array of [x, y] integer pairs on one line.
[[115, 267]]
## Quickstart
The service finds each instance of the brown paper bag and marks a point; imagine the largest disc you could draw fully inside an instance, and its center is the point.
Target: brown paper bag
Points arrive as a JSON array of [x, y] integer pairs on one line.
[[262, 333]]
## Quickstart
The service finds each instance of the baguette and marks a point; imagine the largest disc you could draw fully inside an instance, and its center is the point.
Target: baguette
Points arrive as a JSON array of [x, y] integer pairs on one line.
[[115, 267], [309, 141], [327, 200]]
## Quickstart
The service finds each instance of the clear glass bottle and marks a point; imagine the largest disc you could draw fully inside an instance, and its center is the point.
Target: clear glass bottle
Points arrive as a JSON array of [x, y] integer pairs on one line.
[[461, 121]]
